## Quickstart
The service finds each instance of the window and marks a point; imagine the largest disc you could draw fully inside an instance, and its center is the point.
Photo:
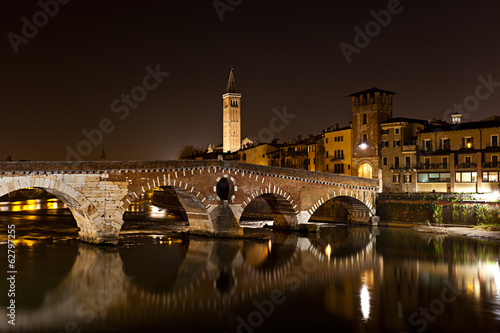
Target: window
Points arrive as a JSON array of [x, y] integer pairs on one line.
[[385, 131], [326, 140], [396, 131], [427, 162], [467, 159], [445, 162], [490, 177], [408, 162], [434, 177], [396, 162], [494, 158], [364, 118], [365, 138], [427, 144], [338, 168], [395, 178], [396, 143], [384, 144], [494, 140], [384, 160], [423, 177], [407, 179], [467, 142], [466, 177], [327, 154], [445, 144]]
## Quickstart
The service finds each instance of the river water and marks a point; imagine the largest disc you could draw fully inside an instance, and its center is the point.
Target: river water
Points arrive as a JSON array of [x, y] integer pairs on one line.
[[344, 279]]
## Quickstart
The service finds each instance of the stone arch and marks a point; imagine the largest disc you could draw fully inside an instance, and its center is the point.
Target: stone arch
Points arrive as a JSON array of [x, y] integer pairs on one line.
[[197, 213], [84, 212], [284, 214], [369, 164], [357, 203]]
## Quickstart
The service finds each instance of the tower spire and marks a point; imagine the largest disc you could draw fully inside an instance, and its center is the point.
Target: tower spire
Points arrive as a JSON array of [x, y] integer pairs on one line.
[[231, 86]]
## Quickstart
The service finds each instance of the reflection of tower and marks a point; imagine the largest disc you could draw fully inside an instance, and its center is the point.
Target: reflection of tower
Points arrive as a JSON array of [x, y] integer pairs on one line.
[[369, 108], [231, 117]]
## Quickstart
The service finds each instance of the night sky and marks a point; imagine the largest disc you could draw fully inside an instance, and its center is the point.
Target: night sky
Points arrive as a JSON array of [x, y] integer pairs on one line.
[[71, 74]]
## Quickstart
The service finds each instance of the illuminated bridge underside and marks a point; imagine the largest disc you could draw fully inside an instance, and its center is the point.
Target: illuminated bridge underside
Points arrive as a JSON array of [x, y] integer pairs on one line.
[[99, 193]]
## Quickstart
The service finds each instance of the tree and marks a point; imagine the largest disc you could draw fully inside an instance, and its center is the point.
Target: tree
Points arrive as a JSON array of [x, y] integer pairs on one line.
[[188, 151]]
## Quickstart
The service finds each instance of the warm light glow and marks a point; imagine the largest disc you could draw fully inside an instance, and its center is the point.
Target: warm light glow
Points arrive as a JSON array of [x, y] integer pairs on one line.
[[365, 171], [469, 145], [328, 251], [363, 145], [269, 245], [364, 296]]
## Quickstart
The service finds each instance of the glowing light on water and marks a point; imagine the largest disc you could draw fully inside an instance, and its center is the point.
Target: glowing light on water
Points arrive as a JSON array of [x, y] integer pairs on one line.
[[328, 251], [364, 296]]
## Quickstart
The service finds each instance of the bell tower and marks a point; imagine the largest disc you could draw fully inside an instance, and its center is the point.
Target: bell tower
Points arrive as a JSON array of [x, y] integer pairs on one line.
[[231, 117]]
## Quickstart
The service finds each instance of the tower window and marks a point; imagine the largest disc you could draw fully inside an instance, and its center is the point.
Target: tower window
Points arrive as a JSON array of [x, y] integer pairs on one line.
[[364, 119], [234, 103]]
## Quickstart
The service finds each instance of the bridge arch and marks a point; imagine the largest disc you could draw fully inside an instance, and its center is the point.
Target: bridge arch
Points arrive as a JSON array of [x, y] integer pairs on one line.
[[84, 212], [358, 204], [284, 214], [197, 212]]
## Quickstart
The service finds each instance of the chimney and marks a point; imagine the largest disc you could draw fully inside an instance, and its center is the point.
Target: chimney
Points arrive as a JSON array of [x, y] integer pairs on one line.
[[336, 126], [299, 138]]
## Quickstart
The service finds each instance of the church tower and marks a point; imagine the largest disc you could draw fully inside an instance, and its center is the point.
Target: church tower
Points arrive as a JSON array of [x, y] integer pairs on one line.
[[231, 109]]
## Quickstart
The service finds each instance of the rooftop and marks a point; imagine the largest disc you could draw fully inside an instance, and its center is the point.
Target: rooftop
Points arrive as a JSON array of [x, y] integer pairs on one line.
[[372, 91]]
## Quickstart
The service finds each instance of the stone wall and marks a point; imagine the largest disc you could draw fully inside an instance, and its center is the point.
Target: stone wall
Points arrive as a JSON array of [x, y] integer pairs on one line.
[[456, 209]]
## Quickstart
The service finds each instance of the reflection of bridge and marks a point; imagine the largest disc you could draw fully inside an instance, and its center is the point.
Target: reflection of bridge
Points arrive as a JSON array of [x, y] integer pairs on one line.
[[213, 193], [213, 276]]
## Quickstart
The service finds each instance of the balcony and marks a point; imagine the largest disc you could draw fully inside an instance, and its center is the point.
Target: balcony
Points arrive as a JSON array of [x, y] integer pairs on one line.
[[491, 165], [336, 158], [429, 166], [402, 167], [409, 147], [466, 165]]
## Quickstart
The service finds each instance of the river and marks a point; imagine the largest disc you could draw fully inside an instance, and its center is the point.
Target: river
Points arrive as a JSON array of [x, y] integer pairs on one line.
[[344, 279]]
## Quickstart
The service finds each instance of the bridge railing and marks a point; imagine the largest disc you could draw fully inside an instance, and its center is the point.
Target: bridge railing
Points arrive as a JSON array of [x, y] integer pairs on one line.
[[44, 167]]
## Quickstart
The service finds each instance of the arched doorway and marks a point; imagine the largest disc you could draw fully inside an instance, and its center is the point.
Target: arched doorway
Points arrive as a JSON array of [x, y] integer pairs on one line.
[[365, 170]]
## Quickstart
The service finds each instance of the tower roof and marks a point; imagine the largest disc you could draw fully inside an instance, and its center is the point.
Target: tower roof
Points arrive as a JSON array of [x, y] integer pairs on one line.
[[231, 86], [372, 91]]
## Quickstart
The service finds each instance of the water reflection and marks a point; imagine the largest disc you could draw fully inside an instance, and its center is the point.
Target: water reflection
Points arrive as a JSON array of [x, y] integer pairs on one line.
[[344, 278]]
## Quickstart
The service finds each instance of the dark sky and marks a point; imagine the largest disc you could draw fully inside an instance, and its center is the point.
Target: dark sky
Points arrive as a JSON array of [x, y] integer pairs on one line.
[[65, 79]]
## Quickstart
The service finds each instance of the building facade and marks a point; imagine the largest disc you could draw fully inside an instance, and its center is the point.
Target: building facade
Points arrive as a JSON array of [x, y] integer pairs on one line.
[[337, 143], [398, 150], [459, 157], [369, 109]]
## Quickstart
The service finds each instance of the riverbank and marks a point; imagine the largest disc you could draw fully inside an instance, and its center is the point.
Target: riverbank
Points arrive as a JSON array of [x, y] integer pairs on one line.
[[491, 235]]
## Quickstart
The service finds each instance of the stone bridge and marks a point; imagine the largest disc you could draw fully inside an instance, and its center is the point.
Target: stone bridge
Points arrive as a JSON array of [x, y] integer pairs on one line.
[[213, 193]]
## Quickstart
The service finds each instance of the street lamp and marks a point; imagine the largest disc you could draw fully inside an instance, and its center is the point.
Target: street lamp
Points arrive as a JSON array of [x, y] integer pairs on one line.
[[363, 145]]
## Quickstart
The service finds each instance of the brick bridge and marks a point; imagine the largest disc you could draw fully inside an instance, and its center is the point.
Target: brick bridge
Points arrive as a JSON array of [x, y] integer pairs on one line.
[[213, 193]]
